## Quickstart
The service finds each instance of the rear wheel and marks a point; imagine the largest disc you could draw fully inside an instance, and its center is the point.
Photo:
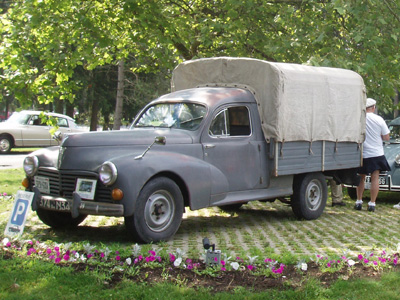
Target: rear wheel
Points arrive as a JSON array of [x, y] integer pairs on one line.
[[310, 193], [158, 211], [57, 219], [5, 144]]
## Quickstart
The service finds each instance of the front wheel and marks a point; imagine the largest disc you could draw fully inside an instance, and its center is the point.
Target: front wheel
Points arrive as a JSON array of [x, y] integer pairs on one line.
[[59, 220], [310, 193], [158, 211]]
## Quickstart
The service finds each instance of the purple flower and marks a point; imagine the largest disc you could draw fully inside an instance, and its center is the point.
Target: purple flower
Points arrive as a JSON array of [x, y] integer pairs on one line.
[[102, 255], [118, 258]]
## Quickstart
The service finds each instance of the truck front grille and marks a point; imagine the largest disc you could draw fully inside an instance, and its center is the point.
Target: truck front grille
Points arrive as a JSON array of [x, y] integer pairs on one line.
[[62, 184]]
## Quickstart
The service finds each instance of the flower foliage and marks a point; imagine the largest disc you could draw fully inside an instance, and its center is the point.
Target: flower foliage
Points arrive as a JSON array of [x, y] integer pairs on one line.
[[64, 254]]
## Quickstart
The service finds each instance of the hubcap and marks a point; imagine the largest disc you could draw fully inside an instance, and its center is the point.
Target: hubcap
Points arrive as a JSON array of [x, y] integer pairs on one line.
[[314, 195], [4, 145], [159, 210]]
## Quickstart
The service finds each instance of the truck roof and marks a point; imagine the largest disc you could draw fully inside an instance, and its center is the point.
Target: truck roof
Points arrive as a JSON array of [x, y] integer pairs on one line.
[[295, 102]]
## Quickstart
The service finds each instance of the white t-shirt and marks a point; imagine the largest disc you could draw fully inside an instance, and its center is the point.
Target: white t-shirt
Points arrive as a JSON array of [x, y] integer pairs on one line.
[[375, 128]]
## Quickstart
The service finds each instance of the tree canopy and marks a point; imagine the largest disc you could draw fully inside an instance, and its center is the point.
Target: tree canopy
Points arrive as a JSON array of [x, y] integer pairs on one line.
[[58, 50]]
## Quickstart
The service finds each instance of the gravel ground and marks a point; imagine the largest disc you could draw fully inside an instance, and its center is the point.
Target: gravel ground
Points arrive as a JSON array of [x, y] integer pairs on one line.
[[262, 229]]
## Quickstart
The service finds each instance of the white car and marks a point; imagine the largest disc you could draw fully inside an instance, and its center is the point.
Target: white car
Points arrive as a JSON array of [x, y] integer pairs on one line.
[[28, 129]]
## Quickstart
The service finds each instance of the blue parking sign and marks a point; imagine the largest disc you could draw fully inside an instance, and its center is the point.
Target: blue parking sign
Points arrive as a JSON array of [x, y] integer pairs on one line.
[[19, 212], [16, 223]]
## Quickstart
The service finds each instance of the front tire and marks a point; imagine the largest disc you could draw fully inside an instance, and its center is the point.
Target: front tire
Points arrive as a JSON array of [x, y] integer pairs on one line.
[[59, 220], [310, 193], [5, 144], [158, 211]]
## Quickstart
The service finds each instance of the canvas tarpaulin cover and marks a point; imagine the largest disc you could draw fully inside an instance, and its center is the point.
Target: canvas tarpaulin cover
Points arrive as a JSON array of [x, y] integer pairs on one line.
[[295, 102]]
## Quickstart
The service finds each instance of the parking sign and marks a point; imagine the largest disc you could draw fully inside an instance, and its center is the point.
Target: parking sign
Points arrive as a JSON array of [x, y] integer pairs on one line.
[[16, 223]]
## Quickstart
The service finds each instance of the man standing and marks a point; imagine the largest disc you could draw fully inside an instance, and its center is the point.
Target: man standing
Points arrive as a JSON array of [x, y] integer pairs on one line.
[[374, 159]]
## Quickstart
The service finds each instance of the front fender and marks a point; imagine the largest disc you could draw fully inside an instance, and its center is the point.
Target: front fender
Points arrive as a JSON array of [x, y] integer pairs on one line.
[[133, 174]]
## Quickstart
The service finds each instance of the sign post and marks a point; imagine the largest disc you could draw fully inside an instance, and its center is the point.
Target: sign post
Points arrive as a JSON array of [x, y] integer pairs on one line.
[[16, 223]]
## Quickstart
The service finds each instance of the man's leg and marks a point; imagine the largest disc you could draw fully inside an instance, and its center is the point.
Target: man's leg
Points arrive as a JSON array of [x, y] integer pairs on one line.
[[360, 188]]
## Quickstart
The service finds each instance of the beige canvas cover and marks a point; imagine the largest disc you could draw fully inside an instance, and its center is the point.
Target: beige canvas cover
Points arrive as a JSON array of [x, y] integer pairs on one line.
[[296, 102]]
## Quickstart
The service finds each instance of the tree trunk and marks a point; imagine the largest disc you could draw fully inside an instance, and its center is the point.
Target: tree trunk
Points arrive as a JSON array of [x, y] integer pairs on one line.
[[396, 102], [95, 106], [120, 96]]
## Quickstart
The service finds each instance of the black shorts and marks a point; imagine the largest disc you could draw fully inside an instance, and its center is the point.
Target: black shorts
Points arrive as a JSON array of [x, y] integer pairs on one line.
[[372, 164]]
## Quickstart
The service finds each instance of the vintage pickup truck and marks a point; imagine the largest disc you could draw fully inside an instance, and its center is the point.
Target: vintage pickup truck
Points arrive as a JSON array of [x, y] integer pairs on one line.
[[232, 130]]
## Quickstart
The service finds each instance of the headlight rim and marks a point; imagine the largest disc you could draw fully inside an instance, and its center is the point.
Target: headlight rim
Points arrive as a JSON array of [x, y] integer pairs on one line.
[[35, 165], [113, 175]]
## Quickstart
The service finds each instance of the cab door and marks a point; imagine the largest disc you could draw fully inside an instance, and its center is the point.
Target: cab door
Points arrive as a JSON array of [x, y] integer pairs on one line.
[[232, 151]]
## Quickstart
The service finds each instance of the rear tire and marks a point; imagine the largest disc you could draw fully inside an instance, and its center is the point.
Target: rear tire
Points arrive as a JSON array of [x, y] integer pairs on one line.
[[158, 211], [59, 220], [310, 193]]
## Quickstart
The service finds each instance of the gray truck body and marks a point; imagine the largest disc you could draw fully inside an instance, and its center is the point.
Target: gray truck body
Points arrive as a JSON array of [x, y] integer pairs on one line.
[[212, 146]]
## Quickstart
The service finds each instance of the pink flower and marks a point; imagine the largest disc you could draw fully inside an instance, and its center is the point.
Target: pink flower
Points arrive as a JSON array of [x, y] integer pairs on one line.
[[366, 261], [89, 255], [360, 257], [102, 255], [223, 269], [118, 258], [48, 251], [151, 252], [250, 267], [66, 257], [57, 260], [8, 244], [171, 257], [223, 263], [375, 263]]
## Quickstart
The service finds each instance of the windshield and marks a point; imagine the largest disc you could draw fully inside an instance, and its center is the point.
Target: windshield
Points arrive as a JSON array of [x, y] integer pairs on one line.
[[176, 115], [18, 118], [394, 132]]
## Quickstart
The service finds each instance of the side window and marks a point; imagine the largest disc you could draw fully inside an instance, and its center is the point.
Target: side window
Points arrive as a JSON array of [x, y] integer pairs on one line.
[[61, 122], [231, 121], [36, 120]]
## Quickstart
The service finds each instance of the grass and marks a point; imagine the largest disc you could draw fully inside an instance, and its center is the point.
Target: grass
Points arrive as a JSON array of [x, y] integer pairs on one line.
[[270, 231]]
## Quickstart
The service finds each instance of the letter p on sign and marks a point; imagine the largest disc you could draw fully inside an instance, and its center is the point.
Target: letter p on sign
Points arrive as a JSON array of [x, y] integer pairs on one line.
[[16, 223]]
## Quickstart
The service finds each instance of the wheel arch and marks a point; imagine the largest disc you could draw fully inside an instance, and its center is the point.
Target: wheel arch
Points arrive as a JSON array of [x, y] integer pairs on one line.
[[8, 135]]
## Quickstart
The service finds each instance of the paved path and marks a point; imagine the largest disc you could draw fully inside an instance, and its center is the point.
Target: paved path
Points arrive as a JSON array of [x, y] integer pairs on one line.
[[12, 160]]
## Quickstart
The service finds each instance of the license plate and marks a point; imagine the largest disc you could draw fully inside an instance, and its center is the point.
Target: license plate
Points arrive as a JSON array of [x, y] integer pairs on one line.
[[60, 205], [43, 184], [382, 180]]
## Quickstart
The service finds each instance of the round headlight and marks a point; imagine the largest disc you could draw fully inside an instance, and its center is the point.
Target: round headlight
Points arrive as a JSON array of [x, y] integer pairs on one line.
[[108, 173], [31, 165]]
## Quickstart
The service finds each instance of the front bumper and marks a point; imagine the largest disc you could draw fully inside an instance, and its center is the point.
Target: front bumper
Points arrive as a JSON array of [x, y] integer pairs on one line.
[[76, 206]]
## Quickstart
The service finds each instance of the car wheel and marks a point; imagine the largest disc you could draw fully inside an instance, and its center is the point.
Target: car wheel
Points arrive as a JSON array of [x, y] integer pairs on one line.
[[231, 207], [352, 192], [5, 144], [158, 211], [310, 193], [59, 220]]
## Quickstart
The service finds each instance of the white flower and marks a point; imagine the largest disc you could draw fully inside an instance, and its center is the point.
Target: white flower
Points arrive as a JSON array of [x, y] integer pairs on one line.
[[180, 253], [178, 261], [252, 259], [88, 248], [67, 246], [136, 250], [83, 258], [351, 262], [303, 266], [128, 261], [235, 265], [5, 241], [106, 252]]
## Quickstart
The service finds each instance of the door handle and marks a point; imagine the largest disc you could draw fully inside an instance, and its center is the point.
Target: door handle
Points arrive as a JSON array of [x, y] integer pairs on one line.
[[209, 146]]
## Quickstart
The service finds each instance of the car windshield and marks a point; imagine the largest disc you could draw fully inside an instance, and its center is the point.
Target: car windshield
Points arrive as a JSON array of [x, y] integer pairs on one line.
[[394, 133], [18, 118], [172, 115]]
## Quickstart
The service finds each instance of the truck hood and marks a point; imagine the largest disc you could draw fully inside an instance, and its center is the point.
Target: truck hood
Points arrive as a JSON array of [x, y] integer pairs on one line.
[[138, 136]]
